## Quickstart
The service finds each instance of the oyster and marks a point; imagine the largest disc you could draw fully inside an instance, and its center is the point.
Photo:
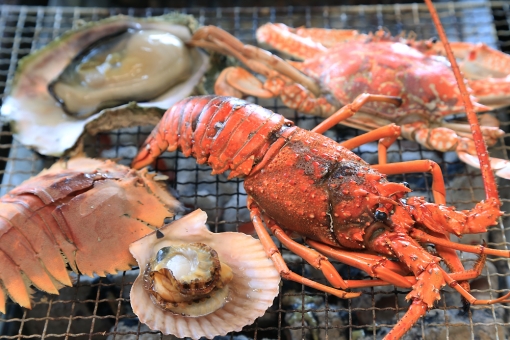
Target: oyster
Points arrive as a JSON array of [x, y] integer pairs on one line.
[[117, 72], [195, 283]]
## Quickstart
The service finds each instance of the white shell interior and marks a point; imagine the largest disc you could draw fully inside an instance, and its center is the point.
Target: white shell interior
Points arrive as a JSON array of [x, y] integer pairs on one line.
[[251, 292]]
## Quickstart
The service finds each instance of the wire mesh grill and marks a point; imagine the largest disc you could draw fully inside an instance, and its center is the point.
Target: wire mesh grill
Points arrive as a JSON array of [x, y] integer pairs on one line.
[[99, 307]]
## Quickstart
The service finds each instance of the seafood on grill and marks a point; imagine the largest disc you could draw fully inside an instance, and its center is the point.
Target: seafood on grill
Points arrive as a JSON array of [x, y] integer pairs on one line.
[[301, 182], [335, 71], [195, 283], [117, 72], [85, 209], [487, 70]]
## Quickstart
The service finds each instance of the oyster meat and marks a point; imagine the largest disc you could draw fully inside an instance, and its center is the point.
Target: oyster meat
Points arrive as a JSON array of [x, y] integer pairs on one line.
[[117, 72], [194, 283]]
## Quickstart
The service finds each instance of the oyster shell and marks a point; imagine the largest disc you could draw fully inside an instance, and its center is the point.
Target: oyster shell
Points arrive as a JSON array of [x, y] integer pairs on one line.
[[235, 300], [40, 121]]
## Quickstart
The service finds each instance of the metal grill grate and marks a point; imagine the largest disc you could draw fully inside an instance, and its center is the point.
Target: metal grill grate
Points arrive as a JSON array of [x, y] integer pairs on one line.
[[99, 307]]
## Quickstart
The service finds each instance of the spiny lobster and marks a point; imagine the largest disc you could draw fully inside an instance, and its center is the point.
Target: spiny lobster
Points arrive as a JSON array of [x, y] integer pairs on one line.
[[299, 181], [303, 182], [339, 65], [487, 70]]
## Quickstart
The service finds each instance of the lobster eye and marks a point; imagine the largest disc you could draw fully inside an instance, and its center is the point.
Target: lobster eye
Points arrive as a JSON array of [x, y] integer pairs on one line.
[[406, 185], [380, 215]]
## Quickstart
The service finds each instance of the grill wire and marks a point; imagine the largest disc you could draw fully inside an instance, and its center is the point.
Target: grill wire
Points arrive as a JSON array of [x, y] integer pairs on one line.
[[99, 307]]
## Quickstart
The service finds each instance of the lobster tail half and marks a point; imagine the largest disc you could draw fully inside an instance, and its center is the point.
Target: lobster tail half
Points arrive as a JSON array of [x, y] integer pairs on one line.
[[226, 133], [85, 209]]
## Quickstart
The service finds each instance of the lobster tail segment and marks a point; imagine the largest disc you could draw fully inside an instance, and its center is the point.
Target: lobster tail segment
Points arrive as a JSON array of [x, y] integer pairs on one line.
[[223, 132]]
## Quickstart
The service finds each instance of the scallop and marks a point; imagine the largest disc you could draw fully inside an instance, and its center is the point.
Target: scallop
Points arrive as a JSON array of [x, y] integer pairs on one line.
[[194, 283], [117, 72], [188, 279]]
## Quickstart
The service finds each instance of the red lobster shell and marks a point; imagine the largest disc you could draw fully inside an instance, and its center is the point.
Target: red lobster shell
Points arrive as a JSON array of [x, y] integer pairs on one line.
[[86, 209], [301, 182]]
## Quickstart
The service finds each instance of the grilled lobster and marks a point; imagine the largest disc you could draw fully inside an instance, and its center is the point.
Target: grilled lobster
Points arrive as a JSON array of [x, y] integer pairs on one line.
[[86, 209], [334, 72], [302, 182], [486, 69]]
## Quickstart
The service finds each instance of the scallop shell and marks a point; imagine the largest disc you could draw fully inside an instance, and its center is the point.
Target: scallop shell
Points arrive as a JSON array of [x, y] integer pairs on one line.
[[251, 291]]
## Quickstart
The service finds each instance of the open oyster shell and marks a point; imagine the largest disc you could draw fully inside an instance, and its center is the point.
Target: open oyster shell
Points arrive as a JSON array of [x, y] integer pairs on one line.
[[39, 121], [251, 290]]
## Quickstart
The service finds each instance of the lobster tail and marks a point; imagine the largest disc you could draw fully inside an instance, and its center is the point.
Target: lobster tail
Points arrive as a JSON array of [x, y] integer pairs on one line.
[[87, 210], [226, 133]]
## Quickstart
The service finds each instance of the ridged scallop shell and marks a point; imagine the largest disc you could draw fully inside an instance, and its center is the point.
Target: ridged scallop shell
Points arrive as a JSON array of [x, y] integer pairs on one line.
[[251, 291]]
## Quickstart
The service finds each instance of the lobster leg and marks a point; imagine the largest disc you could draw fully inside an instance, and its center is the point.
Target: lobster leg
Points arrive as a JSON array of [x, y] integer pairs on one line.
[[425, 267], [320, 262], [311, 256], [372, 264], [380, 267], [274, 254], [470, 298], [389, 131], [480, 249], [256, 59], [349, 110], [386, 135], [375, 266], [449, 255], [438, 188]]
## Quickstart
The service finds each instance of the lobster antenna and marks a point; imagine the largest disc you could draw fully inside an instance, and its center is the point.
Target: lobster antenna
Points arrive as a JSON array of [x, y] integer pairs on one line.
[[491, 190]]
